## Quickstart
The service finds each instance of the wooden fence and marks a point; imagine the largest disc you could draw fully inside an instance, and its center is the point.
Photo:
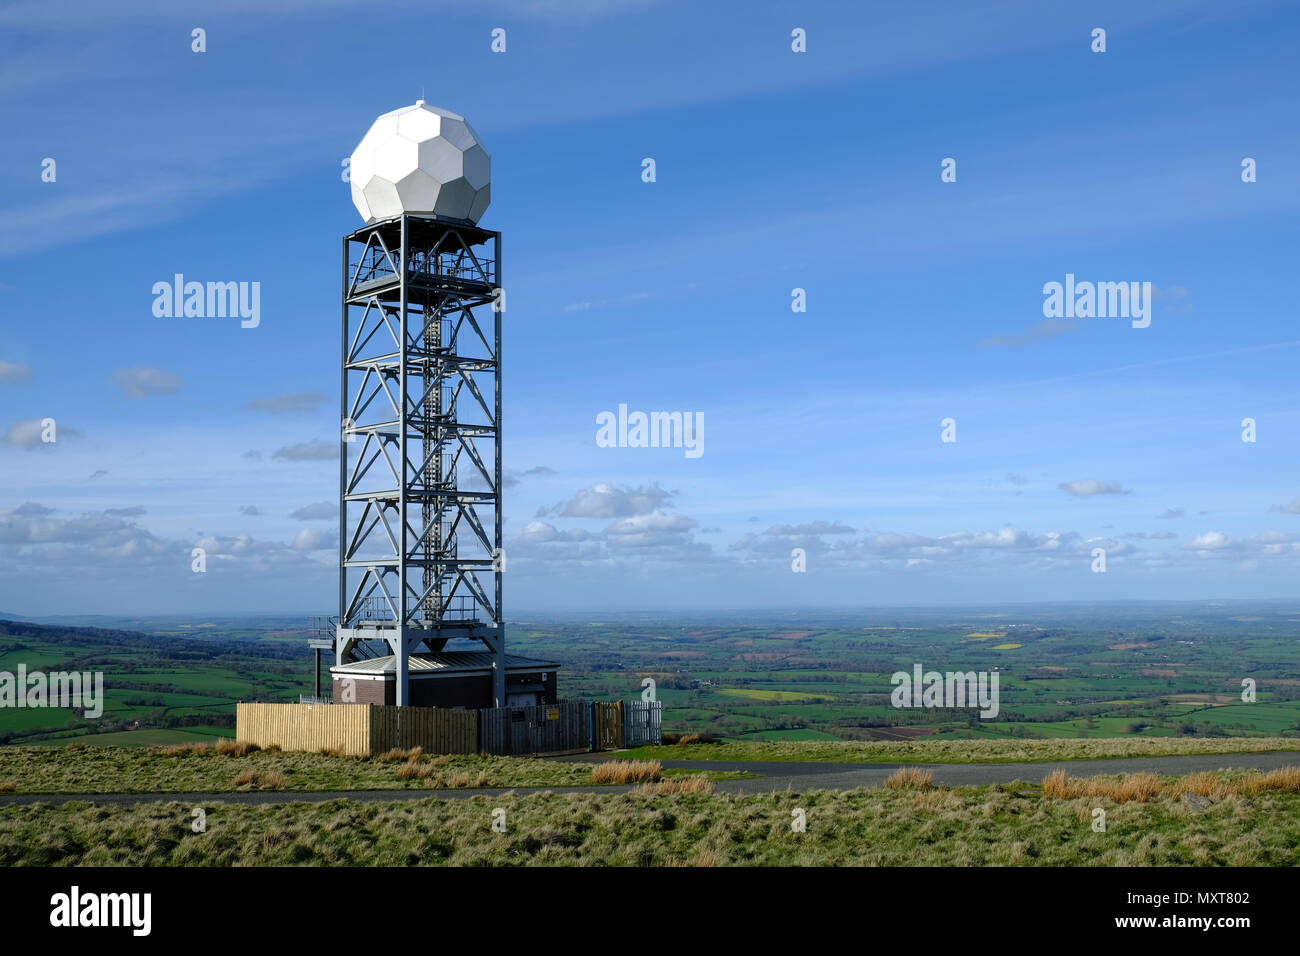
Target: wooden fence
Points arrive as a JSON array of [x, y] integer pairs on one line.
[[357, 730], [362, 730], [609, 725], [437, 730], [305, 727]]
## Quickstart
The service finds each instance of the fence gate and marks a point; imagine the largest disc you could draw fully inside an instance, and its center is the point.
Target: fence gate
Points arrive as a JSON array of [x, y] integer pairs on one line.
[[609, 725], [642, 722]]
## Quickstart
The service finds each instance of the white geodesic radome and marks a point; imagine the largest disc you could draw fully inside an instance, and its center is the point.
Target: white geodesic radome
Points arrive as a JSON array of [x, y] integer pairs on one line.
[[424, 161]]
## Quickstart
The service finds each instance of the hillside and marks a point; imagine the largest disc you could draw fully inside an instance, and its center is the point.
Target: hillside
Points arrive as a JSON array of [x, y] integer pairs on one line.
[[180, 687]]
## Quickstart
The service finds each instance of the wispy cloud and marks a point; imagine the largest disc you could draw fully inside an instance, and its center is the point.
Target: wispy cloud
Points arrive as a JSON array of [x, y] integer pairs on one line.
[[316, 450], [607, 501], [284, 404], [30, 433], [11, 372], [1088, 487], [143, 380], [1047, 329]]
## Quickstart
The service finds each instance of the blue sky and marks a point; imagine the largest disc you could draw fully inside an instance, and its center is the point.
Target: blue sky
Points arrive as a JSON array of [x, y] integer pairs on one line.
[[775, 170]]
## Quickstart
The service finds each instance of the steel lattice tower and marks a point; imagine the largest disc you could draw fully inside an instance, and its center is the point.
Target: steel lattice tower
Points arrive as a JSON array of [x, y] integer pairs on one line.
[[420, 557]]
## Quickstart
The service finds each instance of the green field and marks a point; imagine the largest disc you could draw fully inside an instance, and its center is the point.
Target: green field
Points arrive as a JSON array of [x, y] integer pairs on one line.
[[1078, 671], [170, 687], [1081, 672]]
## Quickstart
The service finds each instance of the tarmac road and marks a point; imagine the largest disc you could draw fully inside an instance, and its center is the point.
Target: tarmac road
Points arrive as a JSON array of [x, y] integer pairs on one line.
[[768, 776]]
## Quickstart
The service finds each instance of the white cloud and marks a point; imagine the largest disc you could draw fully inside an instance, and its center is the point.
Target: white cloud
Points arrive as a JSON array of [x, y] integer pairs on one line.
[[308, 451], [539, 531], [28, 433], [14, 371], [1047, 329], [1091, 486], [314, 539], [135, 511], [320, 511], [653, 523], [606, 501], [1211, 541], [292, 402], [810, 527], [142, 380]]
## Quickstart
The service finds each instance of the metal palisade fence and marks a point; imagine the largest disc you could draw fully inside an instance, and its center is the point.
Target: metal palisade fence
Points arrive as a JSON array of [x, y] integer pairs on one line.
[[544, 729], [569, 727], [642, 722]]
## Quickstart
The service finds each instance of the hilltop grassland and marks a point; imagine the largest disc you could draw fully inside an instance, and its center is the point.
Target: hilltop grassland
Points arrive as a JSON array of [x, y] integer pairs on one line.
[[228, 766], [932, 750], [1225, 819]]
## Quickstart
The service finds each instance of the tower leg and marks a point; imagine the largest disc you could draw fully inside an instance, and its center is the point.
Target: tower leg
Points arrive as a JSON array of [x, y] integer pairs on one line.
[[402, 684]]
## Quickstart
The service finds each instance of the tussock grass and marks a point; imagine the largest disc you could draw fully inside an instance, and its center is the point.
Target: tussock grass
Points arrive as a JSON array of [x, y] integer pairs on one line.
[[184, 750], [397, 753], [1057, 786], [234, 748], [1204, 784], [414, 769], [935, 799], [910, 778], [420, 767], [337, 752], [1124, 788], [1146, 787], [201, 769], [259, 779], [685, 740], [878, 826], [696, 783], [1284, 778], [8, 786], [464, 779], [627, 771]]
